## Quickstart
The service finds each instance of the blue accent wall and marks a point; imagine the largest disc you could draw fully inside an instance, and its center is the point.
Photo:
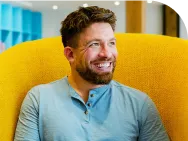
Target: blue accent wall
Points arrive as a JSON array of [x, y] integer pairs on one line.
[[18, 25]]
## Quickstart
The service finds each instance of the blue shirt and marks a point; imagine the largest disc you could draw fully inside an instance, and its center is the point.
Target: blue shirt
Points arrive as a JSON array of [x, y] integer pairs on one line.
[[114, 112]]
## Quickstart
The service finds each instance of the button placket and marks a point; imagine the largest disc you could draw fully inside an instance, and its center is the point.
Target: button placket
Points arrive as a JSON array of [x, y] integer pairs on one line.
[[87, 114], [91, 95], [89, 104], [90, 101]]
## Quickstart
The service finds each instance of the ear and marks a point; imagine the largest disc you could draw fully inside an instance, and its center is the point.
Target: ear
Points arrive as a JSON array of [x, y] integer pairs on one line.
[[68, 52]]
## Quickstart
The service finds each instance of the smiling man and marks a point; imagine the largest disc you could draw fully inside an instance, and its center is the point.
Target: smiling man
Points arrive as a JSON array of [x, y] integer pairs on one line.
[[93, 61], [88, 105]]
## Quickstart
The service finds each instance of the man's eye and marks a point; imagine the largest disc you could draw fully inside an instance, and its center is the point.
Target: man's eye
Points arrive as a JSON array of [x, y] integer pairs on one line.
[[112, 43], [94, 45]]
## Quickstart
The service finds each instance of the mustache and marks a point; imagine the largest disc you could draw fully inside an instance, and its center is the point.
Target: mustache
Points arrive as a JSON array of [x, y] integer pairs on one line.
[[105, 59]]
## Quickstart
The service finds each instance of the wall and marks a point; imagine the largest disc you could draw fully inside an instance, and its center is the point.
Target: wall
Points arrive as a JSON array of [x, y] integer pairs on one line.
[[183, 30], [52, 20], [154, 19], [121, 21], [18, 25]]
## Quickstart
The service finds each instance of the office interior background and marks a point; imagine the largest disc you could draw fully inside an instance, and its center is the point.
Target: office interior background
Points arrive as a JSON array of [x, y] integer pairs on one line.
[[22, 21]]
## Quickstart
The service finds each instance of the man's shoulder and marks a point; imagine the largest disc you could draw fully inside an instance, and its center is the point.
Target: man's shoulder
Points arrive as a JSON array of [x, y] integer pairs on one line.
[[48, 86], [128, 91]]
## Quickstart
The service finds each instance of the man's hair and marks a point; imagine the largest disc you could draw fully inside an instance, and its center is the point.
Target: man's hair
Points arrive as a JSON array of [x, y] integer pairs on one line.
[[77, 21]]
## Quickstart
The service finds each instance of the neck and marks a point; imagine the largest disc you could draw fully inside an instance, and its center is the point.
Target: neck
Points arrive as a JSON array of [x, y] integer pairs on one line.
[[81, 86]]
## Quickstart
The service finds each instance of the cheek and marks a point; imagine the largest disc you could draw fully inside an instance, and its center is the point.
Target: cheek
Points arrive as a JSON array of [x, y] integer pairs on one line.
[[115, 52], [83, 60], [90, 55], [77, 61]]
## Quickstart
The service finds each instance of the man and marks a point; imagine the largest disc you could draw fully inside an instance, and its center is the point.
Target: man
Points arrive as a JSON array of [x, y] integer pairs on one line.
[[88, 105]]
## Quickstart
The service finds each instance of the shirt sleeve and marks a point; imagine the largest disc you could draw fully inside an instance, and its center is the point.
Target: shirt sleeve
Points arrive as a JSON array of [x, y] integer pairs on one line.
[[27, 127], [152, 128]]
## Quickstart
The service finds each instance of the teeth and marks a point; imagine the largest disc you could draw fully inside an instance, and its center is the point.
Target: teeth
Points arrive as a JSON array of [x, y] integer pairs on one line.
[[103, 65]]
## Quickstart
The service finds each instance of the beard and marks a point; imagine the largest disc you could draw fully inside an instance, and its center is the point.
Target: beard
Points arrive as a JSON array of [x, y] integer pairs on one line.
[[94, 77]]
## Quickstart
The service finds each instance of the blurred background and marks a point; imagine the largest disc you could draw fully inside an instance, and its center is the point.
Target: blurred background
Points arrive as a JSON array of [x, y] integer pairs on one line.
[[22, 21]]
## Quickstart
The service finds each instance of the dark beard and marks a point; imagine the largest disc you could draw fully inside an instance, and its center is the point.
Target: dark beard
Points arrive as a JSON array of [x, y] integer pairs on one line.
[[95, 78]]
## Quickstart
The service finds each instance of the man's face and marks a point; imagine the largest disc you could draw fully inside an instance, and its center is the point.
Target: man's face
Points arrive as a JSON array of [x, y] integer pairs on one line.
[[95, 57]]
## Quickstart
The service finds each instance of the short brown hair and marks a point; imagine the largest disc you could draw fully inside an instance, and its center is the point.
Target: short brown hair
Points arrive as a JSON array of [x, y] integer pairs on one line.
[[80, 19]]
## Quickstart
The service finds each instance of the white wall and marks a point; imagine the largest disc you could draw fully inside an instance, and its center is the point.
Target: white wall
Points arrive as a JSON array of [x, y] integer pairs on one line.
[[154, 20], [121, 21], [52, 21], [183, 30]]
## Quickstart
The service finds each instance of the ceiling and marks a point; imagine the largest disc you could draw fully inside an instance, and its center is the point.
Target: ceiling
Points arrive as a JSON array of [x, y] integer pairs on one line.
[[63, 5]]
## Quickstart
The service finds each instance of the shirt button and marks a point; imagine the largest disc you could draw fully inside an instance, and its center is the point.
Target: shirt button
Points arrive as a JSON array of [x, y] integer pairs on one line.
[[89, 104], [86, 112], [92, 95]]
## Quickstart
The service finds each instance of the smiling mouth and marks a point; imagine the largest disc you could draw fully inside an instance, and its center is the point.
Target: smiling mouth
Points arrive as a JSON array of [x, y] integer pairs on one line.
[[103, 66]]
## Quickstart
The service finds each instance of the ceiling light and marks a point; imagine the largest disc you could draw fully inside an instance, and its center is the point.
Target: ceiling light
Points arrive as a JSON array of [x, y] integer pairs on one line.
[[116, 2], [149, 1], [85, 5], [55, 7]]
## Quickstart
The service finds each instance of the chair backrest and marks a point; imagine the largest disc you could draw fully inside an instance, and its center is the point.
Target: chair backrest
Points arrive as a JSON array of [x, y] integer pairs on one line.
[[155, 64]]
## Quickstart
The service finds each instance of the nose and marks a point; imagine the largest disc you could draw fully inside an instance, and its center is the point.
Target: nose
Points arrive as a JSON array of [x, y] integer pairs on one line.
[[105, 52]]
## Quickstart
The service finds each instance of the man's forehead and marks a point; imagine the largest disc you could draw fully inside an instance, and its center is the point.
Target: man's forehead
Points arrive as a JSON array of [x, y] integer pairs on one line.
[[94, 27]]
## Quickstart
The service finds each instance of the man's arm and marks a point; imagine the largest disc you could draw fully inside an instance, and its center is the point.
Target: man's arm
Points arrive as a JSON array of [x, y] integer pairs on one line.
[[152, 128], [27, 126]]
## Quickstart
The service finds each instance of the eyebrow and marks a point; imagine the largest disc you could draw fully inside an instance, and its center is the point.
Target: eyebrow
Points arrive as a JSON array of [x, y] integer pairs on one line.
[[95, 39]]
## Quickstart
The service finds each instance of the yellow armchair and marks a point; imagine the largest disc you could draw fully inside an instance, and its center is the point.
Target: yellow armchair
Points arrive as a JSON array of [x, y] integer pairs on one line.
[[155, 64]]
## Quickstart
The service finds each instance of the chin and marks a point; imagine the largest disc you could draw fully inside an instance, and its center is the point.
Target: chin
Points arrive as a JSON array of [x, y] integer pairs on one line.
[[95, 76]]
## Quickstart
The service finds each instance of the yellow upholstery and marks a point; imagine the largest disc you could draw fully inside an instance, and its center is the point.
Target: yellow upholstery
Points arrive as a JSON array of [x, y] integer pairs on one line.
[[155, 64]]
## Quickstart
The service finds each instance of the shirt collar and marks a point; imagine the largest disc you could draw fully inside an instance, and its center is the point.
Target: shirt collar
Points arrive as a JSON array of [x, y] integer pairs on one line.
[[97, 91]]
